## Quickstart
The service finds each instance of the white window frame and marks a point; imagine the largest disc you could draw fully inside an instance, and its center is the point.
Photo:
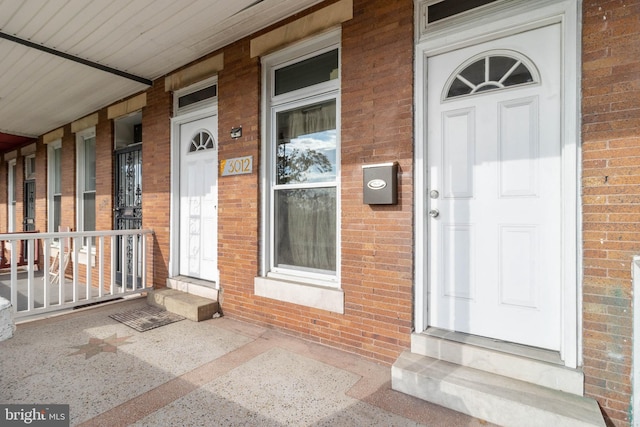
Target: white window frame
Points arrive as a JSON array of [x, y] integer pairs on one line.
[[29, 167], [51, 172], [11, 195], [80, 177], [308, 288]]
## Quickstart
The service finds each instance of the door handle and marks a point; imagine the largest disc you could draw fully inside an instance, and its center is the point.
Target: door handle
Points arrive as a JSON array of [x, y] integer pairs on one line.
[[433, 213]]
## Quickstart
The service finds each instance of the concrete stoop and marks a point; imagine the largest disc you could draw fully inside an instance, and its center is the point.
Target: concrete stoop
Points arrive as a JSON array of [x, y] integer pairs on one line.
[[478, 381], [182, 298]]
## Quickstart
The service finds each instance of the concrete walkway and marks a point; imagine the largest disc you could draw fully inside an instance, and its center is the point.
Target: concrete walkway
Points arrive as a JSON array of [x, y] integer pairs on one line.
[[219, 372]]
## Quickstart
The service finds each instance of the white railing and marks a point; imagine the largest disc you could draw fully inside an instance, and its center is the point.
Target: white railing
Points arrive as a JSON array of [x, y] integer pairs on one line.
[[73, 268]]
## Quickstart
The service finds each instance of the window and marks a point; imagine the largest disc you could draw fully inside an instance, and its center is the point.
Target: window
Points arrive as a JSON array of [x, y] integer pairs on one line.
[[301, 170], [302, 141], [195, 97], [86, 158], [54, 152], [30, 167], [445, 8], [11, 179], [490, 71]]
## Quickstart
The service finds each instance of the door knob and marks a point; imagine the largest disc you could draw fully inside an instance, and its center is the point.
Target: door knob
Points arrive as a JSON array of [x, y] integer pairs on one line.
[[433, 213]]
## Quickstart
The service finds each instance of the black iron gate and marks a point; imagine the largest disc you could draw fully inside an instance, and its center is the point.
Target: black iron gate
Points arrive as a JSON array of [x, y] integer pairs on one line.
[[29, 217], [128, 208]]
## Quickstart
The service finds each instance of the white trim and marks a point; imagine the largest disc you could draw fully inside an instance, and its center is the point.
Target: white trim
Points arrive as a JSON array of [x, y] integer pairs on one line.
[[494, 21], [11, 195], [80, 175], [174, 211], [323, 298], [51, 147]]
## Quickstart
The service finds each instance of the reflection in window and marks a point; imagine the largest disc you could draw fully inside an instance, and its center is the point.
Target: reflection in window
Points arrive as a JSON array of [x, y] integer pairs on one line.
[[306, 150], [490, 73]]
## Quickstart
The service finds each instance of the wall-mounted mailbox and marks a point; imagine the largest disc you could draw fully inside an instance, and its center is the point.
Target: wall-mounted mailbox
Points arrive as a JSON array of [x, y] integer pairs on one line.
[[380, 184]]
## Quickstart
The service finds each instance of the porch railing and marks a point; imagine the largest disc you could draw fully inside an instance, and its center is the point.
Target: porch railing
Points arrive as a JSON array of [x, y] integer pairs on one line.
[[74, 269]]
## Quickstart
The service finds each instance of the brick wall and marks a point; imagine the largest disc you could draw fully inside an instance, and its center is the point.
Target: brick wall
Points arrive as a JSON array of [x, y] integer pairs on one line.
[[156, 172], [376, 266], [68, 180], [611, 197]]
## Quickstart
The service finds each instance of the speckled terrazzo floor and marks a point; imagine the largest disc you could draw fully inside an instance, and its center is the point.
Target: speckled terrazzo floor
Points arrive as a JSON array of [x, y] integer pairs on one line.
[[219, 372]]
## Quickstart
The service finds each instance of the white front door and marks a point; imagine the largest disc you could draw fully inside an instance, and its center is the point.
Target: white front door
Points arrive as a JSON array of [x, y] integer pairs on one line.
[[494, 189], [199, 199]]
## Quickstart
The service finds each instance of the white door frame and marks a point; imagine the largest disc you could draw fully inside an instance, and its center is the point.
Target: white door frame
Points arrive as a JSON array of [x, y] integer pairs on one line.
[[497, 20], [174, 216]]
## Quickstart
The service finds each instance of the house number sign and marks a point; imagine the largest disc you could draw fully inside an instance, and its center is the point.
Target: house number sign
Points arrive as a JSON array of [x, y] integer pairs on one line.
[[236, 166]]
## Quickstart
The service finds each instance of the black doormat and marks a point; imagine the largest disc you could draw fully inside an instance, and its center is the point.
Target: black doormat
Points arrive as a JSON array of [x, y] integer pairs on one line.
[[144, 319]]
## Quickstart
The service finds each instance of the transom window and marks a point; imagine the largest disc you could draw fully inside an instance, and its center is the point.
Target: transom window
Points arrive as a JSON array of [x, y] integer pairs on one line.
[[490, 72], [202, 140]]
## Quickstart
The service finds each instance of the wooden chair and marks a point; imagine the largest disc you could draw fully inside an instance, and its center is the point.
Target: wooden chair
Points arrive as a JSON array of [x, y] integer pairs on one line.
[[61, 260]]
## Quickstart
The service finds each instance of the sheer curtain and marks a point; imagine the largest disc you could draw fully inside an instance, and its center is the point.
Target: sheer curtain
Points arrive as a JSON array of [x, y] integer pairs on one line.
[[307, 216]]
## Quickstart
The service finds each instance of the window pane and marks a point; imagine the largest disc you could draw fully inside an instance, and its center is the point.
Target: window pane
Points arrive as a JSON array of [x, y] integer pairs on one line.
[[306, 144], [520, 75], [57, 206], [89, 164], [89, 213], [309, 72], [449, 8], [197, 96], [306, 228], [475, 72], [57, 171]]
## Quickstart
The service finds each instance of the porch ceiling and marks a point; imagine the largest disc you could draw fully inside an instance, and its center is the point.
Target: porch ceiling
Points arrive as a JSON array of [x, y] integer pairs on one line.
[[40, 91]]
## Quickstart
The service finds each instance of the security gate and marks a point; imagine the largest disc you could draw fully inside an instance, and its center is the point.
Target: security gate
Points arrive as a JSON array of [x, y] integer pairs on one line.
[[28, 222], [128, 209]]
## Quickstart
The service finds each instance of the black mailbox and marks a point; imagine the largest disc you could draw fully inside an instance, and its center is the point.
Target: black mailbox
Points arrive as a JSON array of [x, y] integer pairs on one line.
[[380, 184]]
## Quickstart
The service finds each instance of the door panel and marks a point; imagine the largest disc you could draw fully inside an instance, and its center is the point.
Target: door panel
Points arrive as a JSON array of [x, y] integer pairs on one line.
[[199, 199], [494, 159]]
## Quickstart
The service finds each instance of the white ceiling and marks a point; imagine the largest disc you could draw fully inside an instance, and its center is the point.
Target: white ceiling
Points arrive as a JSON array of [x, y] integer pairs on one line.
[[40, 92]]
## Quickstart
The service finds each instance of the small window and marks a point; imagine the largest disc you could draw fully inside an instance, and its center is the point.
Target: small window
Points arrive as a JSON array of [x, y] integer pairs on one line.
[[202, 140], [490, 72], [318, 69], [446, 8], [197, 96], [203, 94], [30, 167]]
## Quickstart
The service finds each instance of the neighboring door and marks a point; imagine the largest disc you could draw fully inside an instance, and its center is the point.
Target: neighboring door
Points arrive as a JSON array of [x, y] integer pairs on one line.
[[199, 198], [494, 178], [128, 210]]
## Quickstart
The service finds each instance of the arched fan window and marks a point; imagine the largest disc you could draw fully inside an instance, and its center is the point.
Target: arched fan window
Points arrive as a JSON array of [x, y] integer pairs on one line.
[[202, 140], [491, 71]]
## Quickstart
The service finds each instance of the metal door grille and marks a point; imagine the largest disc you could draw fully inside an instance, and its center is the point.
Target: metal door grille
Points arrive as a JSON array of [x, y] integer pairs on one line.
[[128, 206]]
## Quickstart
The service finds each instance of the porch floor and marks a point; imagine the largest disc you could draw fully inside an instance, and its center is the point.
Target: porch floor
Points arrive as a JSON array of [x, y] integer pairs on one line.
[[216, 372]]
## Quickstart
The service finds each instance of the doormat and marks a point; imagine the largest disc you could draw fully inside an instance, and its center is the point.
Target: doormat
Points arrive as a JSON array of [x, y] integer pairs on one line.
[[146, 318]]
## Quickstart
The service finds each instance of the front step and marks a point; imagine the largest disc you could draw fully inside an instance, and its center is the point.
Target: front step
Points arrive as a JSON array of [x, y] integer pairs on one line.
[[523, 363], [491, 397], [193, 307]]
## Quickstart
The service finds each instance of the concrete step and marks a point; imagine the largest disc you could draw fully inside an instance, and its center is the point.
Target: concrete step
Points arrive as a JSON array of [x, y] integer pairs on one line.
[[532, 365], [203, 288], [193, 307], [494, 398]]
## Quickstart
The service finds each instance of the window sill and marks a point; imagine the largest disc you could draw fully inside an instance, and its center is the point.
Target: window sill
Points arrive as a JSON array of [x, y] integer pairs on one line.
[[308, 295]]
